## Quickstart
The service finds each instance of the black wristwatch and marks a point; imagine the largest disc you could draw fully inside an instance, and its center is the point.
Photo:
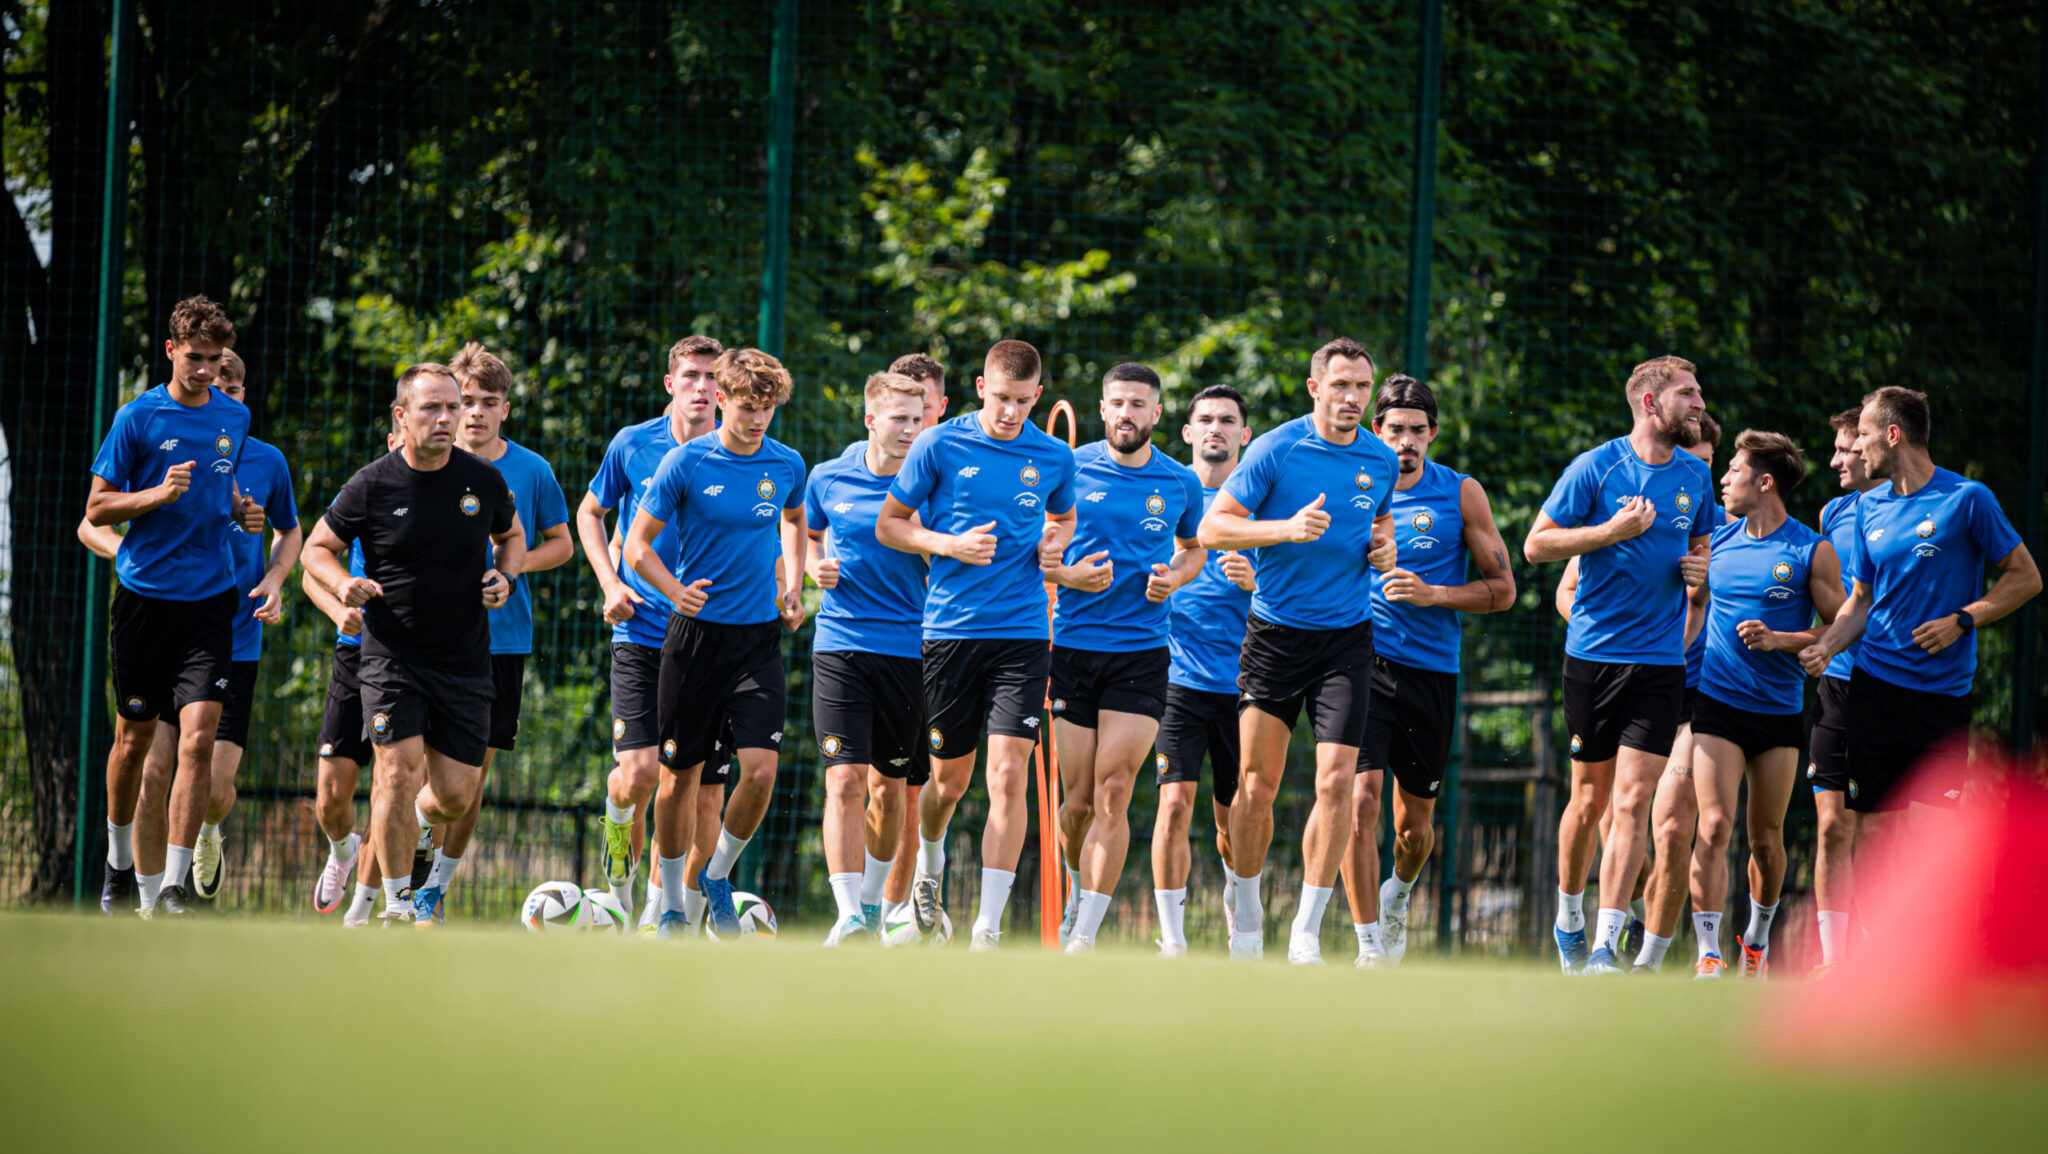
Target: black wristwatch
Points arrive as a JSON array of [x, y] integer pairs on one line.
[[1965, 621]]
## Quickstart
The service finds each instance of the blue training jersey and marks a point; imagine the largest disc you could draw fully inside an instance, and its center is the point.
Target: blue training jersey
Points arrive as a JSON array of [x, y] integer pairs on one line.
[[355, 569], [1923, 557], [1205, 631], [962, 478], [1135, 514], [1429, 532], [621, 483], [1630, 607], [727, 511], [267, 479], [179, 551], [1838, 525], [1758, 579], [538, 497], [1324, 584], [878, 605], [1695, 658]]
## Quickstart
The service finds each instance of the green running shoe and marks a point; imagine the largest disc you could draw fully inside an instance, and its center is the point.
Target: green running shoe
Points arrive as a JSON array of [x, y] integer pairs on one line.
[[618, 851]]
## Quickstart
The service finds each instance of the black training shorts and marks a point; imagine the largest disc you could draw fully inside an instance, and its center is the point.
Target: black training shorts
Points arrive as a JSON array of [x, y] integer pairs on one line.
[[234, 712], [976, 682], [1688, 706], [1086, 681], [450, 708], [1607, 706], [1282, 668], [636, 679], [1754, 733], [1409, 732], [508, 680], [169, 654], [867, 709], [1829, 740], [341, 726], [1896, 729], [1196, 724], [715, 676]]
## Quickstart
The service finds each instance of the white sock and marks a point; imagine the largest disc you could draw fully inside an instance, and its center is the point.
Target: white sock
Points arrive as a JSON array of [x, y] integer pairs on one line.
[[1094, 907], [931, 856], [1073, 896], [426, 827], [366, 897], [344, 851], [671, 869], [1707, 928], [1308, 916], [1173, 913], [618, 814], [874, 877], [891, 909], [149, 884], [177, 864], [1635, 909], [1571, 911], [1834, 934], [1607, 931], [1652, 954], [208, 829], [650, 910], [1397, 894], [846, 892], [1368, 938], [394, 894], [694, 902], [121, 845], [1247, 913], [1758, 935], [995, 899], [728, 852], [443, 871], [1229, 890]]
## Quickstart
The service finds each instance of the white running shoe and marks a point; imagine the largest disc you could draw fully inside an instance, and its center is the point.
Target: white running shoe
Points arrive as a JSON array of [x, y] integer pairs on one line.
[[1080, 944], [351, 922], [402, 916], [985, 941], [1171, 953], [1304, 950], [1247, 947], [623, 894], [1370, 958], [1229, 903], [331, 888], [1393, 924], [207, 865]]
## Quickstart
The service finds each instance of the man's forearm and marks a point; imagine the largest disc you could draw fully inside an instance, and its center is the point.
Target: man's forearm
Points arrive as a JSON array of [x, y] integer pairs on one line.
[[597, 548], [2013, 589], [1228, 531], [1559, 544], [907, 536], [113, 507], [284, 553]]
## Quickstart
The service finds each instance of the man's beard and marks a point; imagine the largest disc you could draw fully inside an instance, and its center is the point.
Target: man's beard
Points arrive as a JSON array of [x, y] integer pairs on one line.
[[1137, 437], [1411, 465], [1214, 454], [1682, 432], [1877, 466]]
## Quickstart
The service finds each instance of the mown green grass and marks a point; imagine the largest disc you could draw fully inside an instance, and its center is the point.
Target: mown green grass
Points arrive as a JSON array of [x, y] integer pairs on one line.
[[225, 1035]]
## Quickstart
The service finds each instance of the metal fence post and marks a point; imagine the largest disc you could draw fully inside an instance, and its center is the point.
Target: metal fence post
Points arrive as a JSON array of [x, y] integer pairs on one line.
[[781, 128], [1422, 217], [2027, 633]]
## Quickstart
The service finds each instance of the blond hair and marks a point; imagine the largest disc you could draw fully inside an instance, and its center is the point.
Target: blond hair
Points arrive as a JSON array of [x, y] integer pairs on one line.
[[752, 377], [1654, 376], [881, 385]]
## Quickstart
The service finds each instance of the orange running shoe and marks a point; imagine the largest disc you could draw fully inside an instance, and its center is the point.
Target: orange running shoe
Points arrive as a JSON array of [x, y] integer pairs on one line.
[[1708, 968], [1756, 963], [1820, 971]]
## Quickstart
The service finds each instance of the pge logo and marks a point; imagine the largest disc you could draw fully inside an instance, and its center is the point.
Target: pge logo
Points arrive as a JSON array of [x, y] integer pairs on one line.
[[764, 509], [1152, 525], [1027, 500], [1361, 501]]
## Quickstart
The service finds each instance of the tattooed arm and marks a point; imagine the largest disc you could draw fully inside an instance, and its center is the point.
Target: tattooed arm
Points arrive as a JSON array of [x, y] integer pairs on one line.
[[1495, 588]]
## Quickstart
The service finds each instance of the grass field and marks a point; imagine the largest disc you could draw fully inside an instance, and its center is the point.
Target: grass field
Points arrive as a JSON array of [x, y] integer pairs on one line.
[[222, 1035]]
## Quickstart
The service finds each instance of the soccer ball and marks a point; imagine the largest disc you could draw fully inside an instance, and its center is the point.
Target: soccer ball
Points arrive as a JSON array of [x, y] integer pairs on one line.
[[602, 911], [553, 906], [757, 920], [901, 930]]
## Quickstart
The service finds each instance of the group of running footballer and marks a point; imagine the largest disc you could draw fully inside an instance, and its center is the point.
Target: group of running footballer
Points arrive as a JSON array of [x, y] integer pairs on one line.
[[1321, 567]]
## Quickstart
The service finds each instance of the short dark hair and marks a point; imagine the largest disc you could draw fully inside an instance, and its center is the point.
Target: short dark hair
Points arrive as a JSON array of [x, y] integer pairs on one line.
[[1134, 372], [1013, 359], [1905, 408], [1223, 393], [1340, 347], [694, 345], [919, 367], [1846, 419], [412, 373], [1710, 430], [1775, 454], [198, 316], [1402, 391]]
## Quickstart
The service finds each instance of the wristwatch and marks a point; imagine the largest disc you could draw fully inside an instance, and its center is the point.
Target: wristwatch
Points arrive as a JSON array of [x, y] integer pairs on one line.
[[1964, 621]]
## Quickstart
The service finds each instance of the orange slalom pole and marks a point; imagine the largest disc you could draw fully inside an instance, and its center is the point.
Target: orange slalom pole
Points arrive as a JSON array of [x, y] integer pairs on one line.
[[1052, 873]]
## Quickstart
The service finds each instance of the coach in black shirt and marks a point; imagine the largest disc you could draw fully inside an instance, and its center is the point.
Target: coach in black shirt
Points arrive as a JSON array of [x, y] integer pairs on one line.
[[427, 516]]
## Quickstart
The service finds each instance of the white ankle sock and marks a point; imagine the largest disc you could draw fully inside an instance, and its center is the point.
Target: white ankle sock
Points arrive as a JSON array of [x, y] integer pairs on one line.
[[1247, 914], [177, 864], [149, 885], [1635, 910], [1368, 937], [693, 904], [1397, 893], [728, 852], [1834, 934], [1094, 907], [1173, 913], [1707, 928], [426, 827], [443, 871], [1758, 935], [874, 877], [359, 907], [1652, 954], [1607, 931], [995, 899], [671, 869], [618, 814], [394, 894], [121, 845], [931, 856], [208, 829], [1308, 916], [345, 850], [845, 893], [1571, 911]]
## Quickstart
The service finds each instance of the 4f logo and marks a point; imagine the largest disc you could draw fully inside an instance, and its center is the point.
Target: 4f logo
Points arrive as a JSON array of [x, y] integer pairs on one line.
[[970, 471], [843, 508], [713, 490], [1096, 496], [167, 446]]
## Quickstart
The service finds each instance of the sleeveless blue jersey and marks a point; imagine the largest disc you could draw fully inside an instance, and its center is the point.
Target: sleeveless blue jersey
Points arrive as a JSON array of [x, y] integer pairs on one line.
[[1429, 532]]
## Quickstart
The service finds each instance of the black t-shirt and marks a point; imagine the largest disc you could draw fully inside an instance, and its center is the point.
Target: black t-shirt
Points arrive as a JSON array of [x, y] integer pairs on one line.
[[427, 541]]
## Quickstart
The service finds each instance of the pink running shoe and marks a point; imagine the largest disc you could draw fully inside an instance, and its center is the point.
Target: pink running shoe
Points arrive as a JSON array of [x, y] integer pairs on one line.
[[331, 888]]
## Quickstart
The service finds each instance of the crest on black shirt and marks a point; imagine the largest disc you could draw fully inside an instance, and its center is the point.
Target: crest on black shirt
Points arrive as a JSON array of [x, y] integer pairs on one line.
[[470, 505]]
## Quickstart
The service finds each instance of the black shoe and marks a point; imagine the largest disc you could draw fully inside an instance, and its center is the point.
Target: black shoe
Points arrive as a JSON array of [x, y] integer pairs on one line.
[[171, 901], [117, 892], [422, 865], [1631, 942]]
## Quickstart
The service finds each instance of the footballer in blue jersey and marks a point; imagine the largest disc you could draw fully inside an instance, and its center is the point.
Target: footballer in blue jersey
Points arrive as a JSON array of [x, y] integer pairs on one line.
[[997, 496], [1767, 577], [1636, 511], [1926, 540], [736, 499], [1137, 512], [1205, 631], [1443, 533], [867, 688], [1311, 498], [167, 470]]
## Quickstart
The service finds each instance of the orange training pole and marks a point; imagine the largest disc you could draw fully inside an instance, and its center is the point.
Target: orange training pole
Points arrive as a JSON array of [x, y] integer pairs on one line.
[[1052, 874]]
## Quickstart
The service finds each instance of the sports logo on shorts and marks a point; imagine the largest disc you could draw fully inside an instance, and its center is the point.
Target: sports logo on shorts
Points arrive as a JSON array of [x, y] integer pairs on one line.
[[1059, 705], [1685, 502], [470, 505], [831, 745], [1422, 522], [380, 723], [327, 749], [1925, 528], [766, 489], [938, 739], [1364, 481], [1160, 761], [668, 748], [223, 444], [1576, 743], [1781, 571], [1155, 504], [618, 729], [1852, 787], [1030, 475], [134, 704]]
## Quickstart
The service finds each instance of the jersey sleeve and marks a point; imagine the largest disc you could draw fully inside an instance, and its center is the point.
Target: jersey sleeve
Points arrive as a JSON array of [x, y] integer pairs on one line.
[[1061, 500], [1191, 512], [814, 497], [666, 492], [345, 517], [118, 453], [1571, 499], [1710, 508], [795, 495], [1989, 528], [1863, 570], [920, 473], [610, 485], [554, 504], [1253, 478], [504, 512], [281, 505]]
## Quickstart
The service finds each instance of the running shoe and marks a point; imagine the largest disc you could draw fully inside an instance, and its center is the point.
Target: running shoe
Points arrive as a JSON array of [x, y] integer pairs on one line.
[[330, 889], [1640, 969], [1247, 947], [1820, 971], [925, 906], [618, 853], [846, 929], [1571, 949], [725, 921], [1603, 961], [1393, 926], [1079, 944], [1373, 959], [352, 922], [427, 907], [1756, 963], [872, 915], [1709, 968], [1071, 914], [172, 900], [1304, 950], [673, 925], [209, 866], [1631, 942], [392, 917], [117, 890], [1170, 953], [985, 941], [422, 866]]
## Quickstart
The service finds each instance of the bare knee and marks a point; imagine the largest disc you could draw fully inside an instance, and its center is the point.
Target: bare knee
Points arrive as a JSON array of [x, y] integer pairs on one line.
[[843, 785], [1113, 795], [1077, 807], [1414, 842], [1005, 781], [1176, 810], [1716, 829], [1256, 789]]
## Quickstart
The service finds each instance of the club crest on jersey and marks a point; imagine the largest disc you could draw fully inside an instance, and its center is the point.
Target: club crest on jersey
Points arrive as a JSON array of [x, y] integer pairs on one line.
[[1925, 528], [223, 444], [765, 490], [618, 729], [938, 739], [1685, 502], [832, 745], [327, 749], [470, 505], [1364, 481], [1781, 572], [1029, 476], [1155, 504], [380, 723], [1422, 522]]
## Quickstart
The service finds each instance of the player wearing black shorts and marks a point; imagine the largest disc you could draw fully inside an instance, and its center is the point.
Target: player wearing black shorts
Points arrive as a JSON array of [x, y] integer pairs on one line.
[[1133, 546], [1442, 518], [996, 497], [1311, 499], [866, 678], [167, 469], [428, 516], [1636, 512], [729, 496], [1205, 630]]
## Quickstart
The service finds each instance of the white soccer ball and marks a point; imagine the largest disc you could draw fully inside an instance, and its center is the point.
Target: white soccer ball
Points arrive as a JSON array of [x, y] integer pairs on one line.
[[602, 911], [756, 918], [901, 930], [552, 906]]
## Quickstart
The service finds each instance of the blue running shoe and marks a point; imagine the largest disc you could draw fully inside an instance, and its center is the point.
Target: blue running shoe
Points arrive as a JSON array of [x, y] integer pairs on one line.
[[1571, 950], [426, 907], [1603, 961], [672, 925], [725, 921], [872, 915]]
